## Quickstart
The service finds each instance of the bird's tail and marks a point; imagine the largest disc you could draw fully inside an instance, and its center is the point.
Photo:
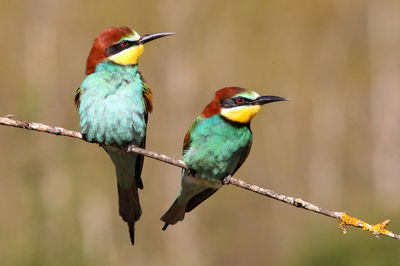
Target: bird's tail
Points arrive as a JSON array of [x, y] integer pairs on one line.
[[193, 192], [129, 208], [128, 184], [174, 214]]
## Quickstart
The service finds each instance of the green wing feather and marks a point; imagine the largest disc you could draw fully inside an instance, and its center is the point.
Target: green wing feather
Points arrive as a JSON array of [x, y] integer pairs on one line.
[[188, 140], [77, 97], [147, 94], [139, 165], [243, 157]]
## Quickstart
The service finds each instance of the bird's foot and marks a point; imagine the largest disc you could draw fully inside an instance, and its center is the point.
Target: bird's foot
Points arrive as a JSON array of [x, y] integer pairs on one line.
[[226, 180]]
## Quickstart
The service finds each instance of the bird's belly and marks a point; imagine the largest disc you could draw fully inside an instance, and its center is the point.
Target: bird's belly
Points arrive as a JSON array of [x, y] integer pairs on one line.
[[112, 120]]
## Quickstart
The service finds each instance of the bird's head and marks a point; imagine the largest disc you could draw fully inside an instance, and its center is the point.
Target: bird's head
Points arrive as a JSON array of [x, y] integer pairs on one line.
[[120, 45], [238, 104]]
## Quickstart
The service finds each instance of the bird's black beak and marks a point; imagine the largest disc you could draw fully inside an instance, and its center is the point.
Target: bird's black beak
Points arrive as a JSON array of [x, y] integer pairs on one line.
[[149, 37], [268, 99]]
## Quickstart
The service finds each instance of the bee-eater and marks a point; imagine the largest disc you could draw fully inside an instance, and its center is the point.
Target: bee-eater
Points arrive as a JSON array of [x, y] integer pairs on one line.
[[114, 102], [216, 145]]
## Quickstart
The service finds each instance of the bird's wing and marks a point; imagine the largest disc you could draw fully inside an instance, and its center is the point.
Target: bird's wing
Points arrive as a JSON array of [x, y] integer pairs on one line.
[[188, 140], [147, 94], [199, 198], [202, 196], [77, 97], [243, 157], [139, 165]]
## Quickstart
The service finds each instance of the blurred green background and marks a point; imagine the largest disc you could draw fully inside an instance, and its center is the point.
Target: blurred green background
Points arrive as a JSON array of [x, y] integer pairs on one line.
[[336, 144]]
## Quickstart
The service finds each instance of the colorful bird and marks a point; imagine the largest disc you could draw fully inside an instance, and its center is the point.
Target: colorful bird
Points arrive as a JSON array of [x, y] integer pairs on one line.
[[216, 145], [114, 102]]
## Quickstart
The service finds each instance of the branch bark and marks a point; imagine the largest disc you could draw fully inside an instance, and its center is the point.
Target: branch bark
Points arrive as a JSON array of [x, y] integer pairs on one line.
[[342, 217]]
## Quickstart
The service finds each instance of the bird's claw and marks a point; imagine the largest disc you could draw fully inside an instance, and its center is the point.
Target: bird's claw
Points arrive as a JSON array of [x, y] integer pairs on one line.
[[226, 180]]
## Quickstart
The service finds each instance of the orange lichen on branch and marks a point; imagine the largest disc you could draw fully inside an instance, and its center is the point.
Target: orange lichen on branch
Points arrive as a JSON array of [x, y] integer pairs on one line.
[[375, 229]]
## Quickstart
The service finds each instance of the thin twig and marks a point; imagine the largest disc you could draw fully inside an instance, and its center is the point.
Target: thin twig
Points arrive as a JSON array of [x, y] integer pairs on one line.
[[342, 217]]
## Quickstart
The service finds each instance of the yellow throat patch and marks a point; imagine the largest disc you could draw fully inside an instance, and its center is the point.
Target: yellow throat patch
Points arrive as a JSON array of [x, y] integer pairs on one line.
[[128, 56], [241, 114]]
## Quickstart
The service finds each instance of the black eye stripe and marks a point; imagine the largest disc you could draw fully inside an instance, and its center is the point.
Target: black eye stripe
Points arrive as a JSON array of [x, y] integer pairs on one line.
[[118, 47], [232, 102]]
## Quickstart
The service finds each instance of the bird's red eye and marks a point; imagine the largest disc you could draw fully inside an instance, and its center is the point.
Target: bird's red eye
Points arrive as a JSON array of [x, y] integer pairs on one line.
[[239, 100], [124, 43]]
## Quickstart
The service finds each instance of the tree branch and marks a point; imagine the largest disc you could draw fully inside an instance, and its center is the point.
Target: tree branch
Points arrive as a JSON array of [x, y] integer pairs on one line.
[[343, 218]]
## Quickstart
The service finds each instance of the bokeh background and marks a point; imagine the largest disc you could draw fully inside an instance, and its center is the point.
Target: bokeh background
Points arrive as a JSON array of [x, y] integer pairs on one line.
[[336, 144]]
